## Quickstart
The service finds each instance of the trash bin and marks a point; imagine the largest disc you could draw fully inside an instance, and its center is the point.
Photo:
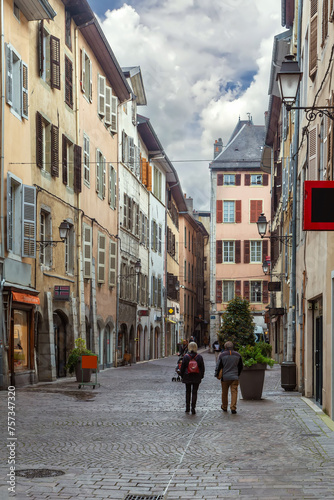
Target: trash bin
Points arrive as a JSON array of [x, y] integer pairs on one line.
[[288, 375]]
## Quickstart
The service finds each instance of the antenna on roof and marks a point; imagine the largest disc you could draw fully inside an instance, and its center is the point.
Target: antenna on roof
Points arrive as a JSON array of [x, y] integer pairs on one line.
[[249, 117]]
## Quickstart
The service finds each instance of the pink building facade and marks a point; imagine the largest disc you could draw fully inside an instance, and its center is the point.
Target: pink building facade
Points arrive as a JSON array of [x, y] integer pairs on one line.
[[240, 192]]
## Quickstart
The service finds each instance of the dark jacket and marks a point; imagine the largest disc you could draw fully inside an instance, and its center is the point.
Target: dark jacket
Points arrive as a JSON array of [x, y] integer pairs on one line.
[[192, 378], [232, 365]]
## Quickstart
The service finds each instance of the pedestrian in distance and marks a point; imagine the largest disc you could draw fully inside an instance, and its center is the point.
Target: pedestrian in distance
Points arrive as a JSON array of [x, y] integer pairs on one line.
[[183, 348], [205, 341], [216, 348], [230, 362], [192, 372]]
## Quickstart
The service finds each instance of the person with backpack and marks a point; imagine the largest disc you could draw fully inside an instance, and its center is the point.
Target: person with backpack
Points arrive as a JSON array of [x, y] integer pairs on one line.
[[230, 362], [192, 372]]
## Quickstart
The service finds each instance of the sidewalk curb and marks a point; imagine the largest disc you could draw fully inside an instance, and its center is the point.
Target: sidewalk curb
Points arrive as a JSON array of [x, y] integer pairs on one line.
[[325, 418]]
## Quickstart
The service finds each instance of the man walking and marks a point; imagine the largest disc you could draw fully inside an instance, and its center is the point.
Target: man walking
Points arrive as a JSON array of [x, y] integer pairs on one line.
[[230, 362]]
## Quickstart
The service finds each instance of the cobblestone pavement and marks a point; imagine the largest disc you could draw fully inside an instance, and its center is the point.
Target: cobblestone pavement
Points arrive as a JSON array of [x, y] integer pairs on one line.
[[131, 436]]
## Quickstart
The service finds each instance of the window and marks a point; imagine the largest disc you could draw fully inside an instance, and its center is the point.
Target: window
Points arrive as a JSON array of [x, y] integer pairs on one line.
[[107, 105], [112, 186], [205, 263], [86, 154], [229, 211], [228, 251], [68, 82], [313, 37], [256, 252], [45, 252], [21, 218], [100, 174], [157, 180], [16, 11], [131, 156], [71, 161], [69, 251], [228, 291], [68, 39], [185, 237], [49, 58], [86, 75], [185, 270], [154, 242], [160, 240], [256, 180], [16, 83], [101, 258], [87, 251], [21, 337], [229, 180], [256, 291], [47, 146]]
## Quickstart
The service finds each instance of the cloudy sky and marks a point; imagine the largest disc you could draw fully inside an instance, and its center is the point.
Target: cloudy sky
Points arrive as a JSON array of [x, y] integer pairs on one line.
[[204, 65]]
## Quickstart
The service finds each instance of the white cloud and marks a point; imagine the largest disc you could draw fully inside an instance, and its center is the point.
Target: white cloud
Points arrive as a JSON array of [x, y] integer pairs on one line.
[[197, 59]]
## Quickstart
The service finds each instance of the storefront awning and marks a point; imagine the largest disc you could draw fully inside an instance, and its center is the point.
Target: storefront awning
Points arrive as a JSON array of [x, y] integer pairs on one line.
[[26, 298]]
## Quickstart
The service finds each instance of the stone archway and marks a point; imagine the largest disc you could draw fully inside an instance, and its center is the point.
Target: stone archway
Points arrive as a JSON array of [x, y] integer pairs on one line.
[[121, 343], [157, 342]]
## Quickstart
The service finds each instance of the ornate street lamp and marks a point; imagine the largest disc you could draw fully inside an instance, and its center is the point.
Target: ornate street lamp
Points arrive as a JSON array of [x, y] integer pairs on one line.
[[289, 78], [63, 232]]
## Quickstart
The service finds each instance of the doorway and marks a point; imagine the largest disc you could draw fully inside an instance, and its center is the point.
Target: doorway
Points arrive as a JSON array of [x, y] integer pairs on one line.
[[318, 360], [60, 340]]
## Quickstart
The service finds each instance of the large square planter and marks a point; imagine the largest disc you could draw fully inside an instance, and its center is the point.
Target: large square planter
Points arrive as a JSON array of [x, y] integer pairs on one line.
[[251, 381], [82, 375]]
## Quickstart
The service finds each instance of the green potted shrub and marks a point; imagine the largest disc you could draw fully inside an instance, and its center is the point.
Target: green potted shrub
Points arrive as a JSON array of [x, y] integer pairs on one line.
[[74, 360], [238, 326]]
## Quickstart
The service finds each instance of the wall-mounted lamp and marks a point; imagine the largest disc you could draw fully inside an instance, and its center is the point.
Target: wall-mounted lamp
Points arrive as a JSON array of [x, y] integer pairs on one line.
[[63, 231], [262, 229], [289, 78]]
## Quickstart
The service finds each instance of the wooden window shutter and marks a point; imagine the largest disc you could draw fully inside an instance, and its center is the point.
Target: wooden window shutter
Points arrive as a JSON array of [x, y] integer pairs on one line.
[[149, 176], [253, 210], [39, 140], [68, 82], [238, 180], [324, 22], [77, 169], [25, 96], [83, 70], [101, 258], [219, 291], [104, 177], [237, 246], [246, 290], [238, 288], [107, 118], [247, 179], [114, 102], [55, 62], [220, 179], [265, 179], [101, 99], [265, 299], [264, 249], [313, 40], [112, 263], [41, 47], [54, 151], [219, 211], [87, 251], [28, 221], [312, 154], [238, 211], [219, 252], [64, 152], [246, 251]]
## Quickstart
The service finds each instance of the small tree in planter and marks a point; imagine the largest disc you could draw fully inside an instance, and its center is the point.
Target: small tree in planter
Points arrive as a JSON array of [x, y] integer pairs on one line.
[[238, 326], [74, 358]]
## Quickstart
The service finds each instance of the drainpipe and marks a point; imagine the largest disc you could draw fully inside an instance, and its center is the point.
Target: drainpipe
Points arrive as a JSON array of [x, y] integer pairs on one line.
[[2, 196]]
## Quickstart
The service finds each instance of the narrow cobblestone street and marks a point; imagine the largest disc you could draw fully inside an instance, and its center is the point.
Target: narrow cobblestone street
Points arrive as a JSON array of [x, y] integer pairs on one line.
[[131, 436]]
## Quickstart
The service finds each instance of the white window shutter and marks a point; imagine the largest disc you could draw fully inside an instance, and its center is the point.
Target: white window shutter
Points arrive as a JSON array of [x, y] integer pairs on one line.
[[98, 180], [108, 106], [101, 85], [101, 258], [313, 154], [112, 263], [9, 75], [131, 153], [24, 79], [137, 160], [90, 81], [104, 177], [87, 250], [114, 103], [83, 70], [28, 221]]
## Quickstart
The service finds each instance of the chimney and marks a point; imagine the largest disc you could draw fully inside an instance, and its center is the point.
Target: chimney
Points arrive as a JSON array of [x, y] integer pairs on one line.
[[218, 147]]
